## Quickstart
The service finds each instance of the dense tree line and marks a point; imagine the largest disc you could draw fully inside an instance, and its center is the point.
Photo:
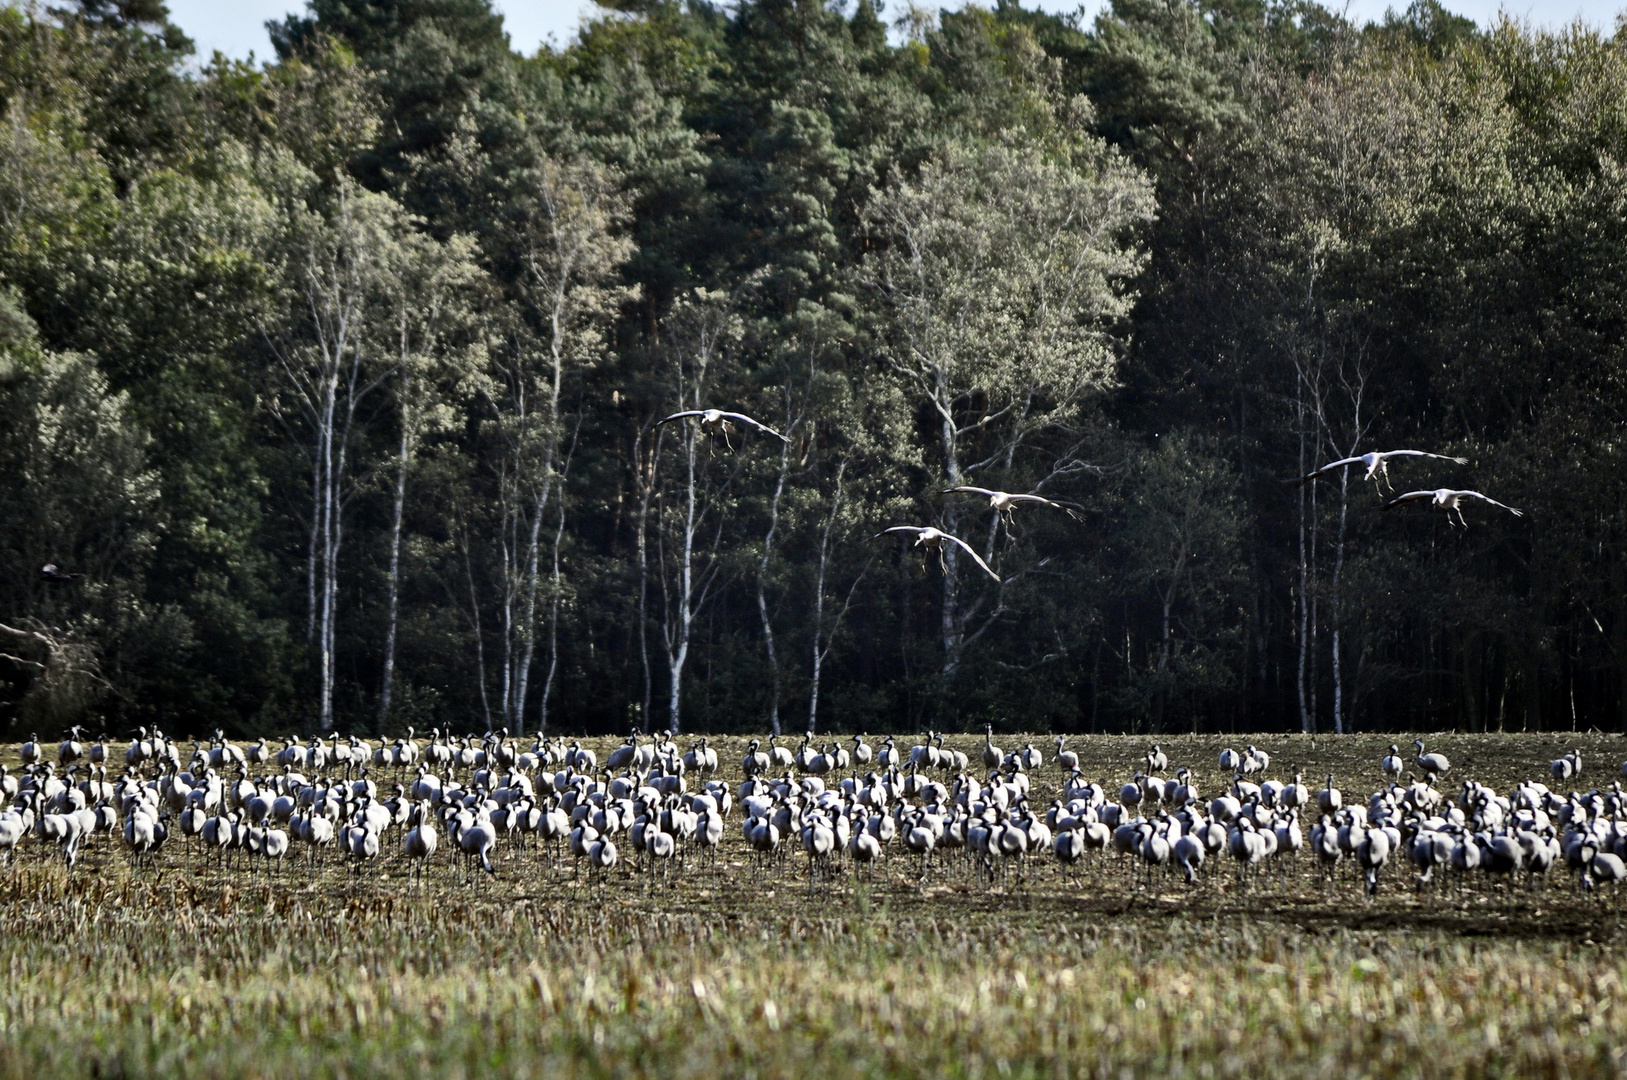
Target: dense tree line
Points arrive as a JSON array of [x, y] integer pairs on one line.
[[336, 379]]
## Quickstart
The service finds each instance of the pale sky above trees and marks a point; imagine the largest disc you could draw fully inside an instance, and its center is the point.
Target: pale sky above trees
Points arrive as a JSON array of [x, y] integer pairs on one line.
[[238, 27]]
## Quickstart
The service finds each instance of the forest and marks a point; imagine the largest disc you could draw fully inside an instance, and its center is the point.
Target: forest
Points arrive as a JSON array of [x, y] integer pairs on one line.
[[331, 384]]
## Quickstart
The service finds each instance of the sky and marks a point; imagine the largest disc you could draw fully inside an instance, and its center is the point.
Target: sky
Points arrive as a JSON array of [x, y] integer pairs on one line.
[[237, 27]]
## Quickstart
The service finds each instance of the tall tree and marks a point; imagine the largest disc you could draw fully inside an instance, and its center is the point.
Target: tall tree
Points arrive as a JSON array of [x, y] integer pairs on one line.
[[334, 348], [432, 311], [1000, 273], [703, 331], [83, 497], [563, 244]]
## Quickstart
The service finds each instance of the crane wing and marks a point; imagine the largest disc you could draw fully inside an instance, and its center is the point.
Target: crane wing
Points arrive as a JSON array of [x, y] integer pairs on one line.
[[1042, 500], [759, 425], [1411, 496], [899, 529], [1071, 509], [967, 489], [967, 548], [1329, 467], [1494, 502], [679, 416], [1424, 453]]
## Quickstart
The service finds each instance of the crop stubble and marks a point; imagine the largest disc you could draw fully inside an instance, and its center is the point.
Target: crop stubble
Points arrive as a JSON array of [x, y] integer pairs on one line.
[[742, 968]]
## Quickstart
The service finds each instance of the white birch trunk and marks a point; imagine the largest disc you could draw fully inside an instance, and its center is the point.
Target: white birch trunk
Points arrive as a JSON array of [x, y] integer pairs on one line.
[[762, 596], [1338, 604], [646, 481], [678, 635], [397, 511], [823, 639], [1307, 716]]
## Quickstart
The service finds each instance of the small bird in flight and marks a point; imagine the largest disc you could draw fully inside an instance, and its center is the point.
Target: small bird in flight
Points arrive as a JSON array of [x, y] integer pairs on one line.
[[1451, 500], [1377, 464], [1005, 501], [56, 577], [718, 422], [932, 540]]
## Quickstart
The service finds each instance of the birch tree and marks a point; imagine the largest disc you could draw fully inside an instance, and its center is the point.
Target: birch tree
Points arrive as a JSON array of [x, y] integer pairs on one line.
[[333, 350], [646, 454], [430, 298], [704, 327], [839, 525], [1000, 272], [810, 505], [565, 234], [1347, 164], [781, 476]]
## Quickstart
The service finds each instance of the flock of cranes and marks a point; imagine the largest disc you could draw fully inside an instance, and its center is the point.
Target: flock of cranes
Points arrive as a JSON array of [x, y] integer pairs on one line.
[[931, 540], [720, 423], [929, 809], [663, 802], [1377, 464]]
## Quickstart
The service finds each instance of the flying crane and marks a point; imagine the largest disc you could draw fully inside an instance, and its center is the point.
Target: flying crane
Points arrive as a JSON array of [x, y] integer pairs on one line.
[[933, 539], [718, 422], [1377, 463]]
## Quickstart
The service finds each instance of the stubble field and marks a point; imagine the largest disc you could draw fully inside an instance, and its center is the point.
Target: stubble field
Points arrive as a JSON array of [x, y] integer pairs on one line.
[[741, 967]]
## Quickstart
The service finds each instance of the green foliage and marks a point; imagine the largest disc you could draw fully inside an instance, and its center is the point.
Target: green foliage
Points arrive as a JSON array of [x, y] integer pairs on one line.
[[1150, 266], [1426, 26], [1176, 553], [79, 492]]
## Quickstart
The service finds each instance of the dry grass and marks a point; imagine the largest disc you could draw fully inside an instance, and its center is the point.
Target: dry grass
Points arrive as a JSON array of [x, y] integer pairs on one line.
[[742, 969]]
